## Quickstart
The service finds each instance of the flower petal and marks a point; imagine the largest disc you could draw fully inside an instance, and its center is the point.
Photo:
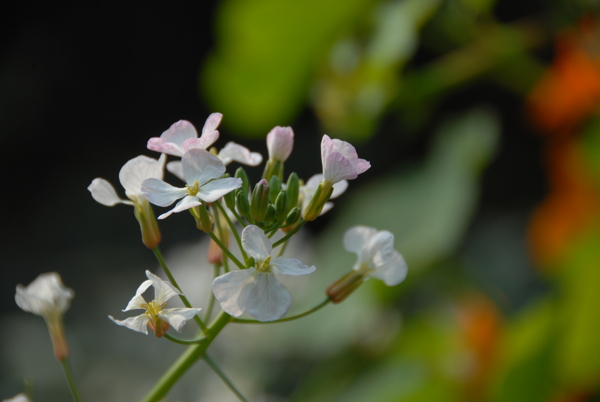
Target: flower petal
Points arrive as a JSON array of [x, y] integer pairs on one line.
[[393, 271], [176, 168], [177, 317], [232, 288], [356, 238], [45, 295], [160, 193], [202, 166], [186, 202], [138, 169], [171, 141], [291, 266], [280, 142], [104, 193], [268, 300], [163, 290], [255, 243], [138, 323], [212, 122], [339, 188], [233, 152], [138, 300], [212, 191]]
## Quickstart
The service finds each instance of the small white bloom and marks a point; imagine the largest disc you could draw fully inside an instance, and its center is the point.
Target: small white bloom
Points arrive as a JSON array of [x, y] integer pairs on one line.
[[156, 316], [280, 142], [18, 398], [46, 296], [376, 255], [231, 152], [340, 160], [202, 172], [256, 289], [182, 136], [308, 191]]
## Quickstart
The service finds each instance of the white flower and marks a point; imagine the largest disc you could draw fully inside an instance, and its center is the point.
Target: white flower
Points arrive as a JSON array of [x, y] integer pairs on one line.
[[256, 289], [280, 142], [156, 316], [376, 255], [308, 191], [202, 172], [231, 152], [46, 296], [182, 136], [340, 161], [18, 398]]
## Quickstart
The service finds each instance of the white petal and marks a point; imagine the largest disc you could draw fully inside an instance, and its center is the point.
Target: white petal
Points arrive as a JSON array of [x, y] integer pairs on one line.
[[268, 300], [202, 166], [200, 143], [160, 145], [238, 153], [212, 191], [138, 323], [177, 317], [393, 272], [163, 290], [256, 244], [104, 193], [138, 301], [186, 202], [160, 193], [232, 288], [291, 266], [280, 142], [336, 168], [179, 132], [46, 295], [138, 169], [212, 122], [176, 168], [356, 239], [339, 188]]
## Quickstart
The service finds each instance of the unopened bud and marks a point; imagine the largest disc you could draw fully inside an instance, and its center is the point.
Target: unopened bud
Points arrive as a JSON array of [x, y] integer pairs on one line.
[[292, 189], [281, 208], [292, 217], [260, 201], [274, 188], [242, 204], [344, 286], [240, 173]]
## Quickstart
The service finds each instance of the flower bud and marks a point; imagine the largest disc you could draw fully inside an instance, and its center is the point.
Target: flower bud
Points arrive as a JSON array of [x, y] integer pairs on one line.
[[281, 208], [280, 142], [240, 173], [274, 188], [292, 217], [292, 189], [270, 215], [344, 286], [204, 221], [260, 201], [145, 216], [242, 204]]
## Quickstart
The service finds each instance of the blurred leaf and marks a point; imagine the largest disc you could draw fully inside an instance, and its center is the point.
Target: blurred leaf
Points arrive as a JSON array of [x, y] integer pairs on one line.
[[590, 141], [428, 209], [266, 49]]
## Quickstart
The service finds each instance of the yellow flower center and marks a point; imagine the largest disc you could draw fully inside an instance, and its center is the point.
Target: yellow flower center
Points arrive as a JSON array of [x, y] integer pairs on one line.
[[193, 190], [264, 266]]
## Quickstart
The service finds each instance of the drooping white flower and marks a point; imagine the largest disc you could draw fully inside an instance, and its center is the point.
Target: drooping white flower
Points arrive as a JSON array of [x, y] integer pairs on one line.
[[47, 297], [308, 191], [202, 172], [131, 176], [18, 398], [376, 255], [280, 142], [256, 289], [340, 160], [231, 152], [182, 136], [156, 316]]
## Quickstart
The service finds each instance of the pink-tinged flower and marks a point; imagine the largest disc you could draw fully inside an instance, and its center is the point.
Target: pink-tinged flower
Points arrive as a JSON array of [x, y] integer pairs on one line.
[[156, 316], [47, 297], [182, 136], [310, 188], [202, 172], [280, 142], [376, 259], [256, 289], [231, 152], [340, 161], [131, 176]]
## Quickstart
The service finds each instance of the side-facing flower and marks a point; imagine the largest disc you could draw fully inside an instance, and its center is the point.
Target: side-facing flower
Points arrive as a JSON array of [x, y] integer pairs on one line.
[[256, 289], [156, 316], [376, 258], [202, 172], [340, 162], [131, 176], [47, 297], [182, 136]]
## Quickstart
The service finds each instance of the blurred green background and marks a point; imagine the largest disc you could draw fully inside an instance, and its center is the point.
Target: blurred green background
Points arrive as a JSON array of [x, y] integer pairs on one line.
[[481, 122]]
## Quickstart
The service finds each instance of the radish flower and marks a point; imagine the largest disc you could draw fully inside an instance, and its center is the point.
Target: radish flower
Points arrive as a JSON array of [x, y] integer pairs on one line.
[[156, 316], [256, 289], [202, 172], [182, 136]]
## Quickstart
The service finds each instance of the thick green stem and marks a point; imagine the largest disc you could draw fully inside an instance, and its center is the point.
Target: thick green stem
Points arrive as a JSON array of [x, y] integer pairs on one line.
[[70, 380], [184, 299], [186, 360]]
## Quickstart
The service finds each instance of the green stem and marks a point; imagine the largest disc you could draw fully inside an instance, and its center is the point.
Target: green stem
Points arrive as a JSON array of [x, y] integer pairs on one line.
[[282, 249], [211, 298], [184, 299], [224, 377], [226, 250], [290, 234], [186, 360], [70, 380], [184, 341], [312, 310], [233, 229]]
